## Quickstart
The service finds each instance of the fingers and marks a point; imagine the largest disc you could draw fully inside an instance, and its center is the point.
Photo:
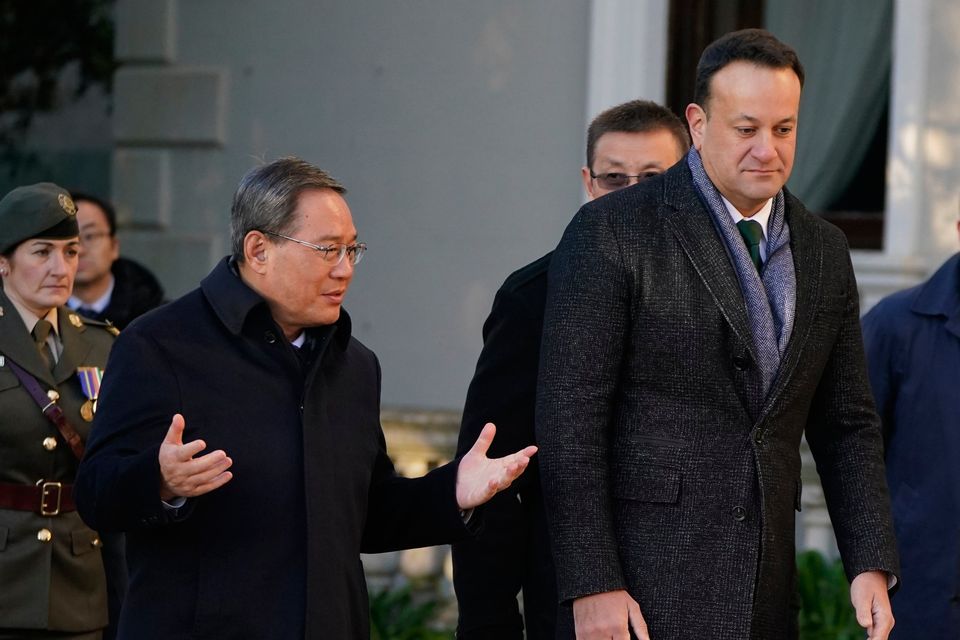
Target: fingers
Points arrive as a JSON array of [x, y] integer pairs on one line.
[[175, 432], [482, 445], [637, 623]]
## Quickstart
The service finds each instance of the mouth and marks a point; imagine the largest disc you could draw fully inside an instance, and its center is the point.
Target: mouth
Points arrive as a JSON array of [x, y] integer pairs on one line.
[[335, 297]]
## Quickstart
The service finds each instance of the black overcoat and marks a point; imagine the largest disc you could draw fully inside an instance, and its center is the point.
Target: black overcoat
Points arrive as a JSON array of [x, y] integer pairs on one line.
[[658, 477], [274, 553]]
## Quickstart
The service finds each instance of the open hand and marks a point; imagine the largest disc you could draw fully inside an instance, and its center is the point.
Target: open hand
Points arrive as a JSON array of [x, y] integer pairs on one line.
[[479, 478], [182, 475]]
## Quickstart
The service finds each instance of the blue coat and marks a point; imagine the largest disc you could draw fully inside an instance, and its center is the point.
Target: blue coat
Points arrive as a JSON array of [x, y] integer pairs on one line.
[[913, 352]]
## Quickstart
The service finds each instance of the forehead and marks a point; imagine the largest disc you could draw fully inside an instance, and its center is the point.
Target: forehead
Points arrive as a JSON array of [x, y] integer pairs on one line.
[[323, 213], [752, 87], [90, 213], [637, 146]]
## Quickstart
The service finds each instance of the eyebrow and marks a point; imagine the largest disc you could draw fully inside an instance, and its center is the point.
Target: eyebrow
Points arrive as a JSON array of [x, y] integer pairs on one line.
[[753, 120]]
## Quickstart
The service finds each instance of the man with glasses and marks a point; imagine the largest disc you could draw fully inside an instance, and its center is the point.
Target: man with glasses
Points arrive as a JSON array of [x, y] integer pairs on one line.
[[238, 440], [625, 144], [108, 287]]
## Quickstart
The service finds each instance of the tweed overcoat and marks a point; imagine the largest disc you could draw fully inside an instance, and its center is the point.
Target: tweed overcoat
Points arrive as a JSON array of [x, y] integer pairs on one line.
[[512, 552], [57, 585], [913, 354], [274, 553], [659, 476]]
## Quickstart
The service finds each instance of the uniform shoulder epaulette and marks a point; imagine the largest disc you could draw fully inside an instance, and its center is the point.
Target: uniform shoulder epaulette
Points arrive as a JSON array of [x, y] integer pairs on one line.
[[76, 319]]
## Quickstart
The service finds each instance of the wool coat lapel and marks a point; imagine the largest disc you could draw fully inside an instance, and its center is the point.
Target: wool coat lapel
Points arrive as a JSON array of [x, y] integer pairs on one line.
[[693, 227]]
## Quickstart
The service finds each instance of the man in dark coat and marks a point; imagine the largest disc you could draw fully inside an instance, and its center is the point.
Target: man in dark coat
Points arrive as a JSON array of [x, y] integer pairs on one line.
[[108, 287], [260, 537], [625, 144], [913, 355], [680, 368]]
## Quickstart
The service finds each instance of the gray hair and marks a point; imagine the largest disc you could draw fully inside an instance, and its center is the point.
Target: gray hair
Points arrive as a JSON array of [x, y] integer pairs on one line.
[[267, 198]]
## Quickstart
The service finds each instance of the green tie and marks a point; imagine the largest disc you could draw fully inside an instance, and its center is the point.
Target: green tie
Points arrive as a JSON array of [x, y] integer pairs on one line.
[[40, 332], [752, 233]]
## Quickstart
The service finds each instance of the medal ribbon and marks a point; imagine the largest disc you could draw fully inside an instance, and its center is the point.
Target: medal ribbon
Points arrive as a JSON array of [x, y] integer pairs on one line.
[[90, 379]]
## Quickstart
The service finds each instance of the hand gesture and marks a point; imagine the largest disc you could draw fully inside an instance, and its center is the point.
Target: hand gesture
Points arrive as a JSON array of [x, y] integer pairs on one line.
[[868, 593], [479, 478], [182, 475], [607, 615]]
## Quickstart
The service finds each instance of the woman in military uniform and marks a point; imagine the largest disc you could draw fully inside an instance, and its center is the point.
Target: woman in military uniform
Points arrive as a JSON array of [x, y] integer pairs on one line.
[[52, 579]]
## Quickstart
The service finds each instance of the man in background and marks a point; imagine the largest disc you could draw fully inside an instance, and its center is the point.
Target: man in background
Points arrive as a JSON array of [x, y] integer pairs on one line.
[[108, 287], [913, 356], [625, 144]]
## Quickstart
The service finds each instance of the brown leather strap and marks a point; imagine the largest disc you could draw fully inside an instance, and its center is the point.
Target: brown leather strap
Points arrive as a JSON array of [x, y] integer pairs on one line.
[[46, 498], [50, 409]]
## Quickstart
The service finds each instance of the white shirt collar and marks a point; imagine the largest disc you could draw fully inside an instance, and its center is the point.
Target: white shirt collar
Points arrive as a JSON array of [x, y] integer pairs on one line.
[[762, 216], [97, 305]]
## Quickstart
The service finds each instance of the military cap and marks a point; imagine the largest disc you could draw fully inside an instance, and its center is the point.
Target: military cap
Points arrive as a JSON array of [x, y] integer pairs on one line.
[[41, 210]]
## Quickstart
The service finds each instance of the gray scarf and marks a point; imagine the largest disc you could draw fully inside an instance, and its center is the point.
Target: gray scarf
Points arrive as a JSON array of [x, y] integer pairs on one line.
[[771, 295]]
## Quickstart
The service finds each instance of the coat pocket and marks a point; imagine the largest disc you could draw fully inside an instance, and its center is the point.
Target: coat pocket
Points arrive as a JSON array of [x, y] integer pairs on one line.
[[648, 482], [84, 541]]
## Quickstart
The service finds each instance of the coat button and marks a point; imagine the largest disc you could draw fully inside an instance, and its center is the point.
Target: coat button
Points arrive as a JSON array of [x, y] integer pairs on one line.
[[758, 437], [741, 363], [44, 535], [270, 337], [49, 443], [739, 514], [95, 543]]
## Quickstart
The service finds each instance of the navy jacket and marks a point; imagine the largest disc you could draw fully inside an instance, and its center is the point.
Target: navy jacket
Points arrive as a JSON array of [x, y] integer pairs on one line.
[[513, 550], [275, 552], [913, 353]]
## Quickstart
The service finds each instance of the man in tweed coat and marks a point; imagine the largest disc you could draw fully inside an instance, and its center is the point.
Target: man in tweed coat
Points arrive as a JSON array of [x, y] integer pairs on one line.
[[683, 358]]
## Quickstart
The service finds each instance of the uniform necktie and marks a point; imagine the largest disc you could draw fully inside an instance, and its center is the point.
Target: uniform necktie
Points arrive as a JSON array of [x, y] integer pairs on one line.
[[752, 233], [40, 333]]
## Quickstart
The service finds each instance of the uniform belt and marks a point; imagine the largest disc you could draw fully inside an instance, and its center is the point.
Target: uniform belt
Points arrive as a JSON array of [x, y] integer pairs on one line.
[[46, 497]]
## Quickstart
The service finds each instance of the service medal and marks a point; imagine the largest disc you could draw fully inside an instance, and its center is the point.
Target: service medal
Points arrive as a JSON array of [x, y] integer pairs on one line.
[[90, 379]]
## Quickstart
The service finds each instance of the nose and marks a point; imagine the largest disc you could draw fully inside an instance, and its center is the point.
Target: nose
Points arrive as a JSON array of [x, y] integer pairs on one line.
[[344, 270], [764, 149]]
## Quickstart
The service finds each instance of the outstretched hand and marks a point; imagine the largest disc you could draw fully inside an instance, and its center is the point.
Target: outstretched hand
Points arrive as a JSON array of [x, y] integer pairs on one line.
[[479, 478], [182, 475]]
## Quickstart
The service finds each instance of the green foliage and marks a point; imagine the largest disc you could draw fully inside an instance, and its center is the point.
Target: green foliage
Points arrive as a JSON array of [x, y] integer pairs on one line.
[[825, 609], [395, 616]]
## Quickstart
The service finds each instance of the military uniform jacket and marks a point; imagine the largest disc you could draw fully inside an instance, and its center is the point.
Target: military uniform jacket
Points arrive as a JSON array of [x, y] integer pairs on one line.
[[658, 477], [274, 553], [59, 584]]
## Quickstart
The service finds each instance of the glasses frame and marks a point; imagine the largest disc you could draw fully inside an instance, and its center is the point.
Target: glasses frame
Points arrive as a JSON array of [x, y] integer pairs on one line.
[[600, 177], [356, 249]]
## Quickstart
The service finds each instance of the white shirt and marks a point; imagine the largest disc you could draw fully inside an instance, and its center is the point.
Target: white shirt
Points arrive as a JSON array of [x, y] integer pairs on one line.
[[97, 305], [762, 216]]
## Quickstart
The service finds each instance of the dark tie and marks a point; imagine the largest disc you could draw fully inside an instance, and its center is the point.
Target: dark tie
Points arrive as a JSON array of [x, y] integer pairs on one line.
[[40, 332], [752, 233]]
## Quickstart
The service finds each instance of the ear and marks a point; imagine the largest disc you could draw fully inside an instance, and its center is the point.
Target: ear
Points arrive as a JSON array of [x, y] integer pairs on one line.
[[696, 120], [4, 266], [587, 182], [255, 251]]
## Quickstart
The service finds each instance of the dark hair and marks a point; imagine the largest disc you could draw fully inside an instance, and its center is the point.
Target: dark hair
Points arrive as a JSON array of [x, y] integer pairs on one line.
[[108, 210], [267, 198], [636, 116], [756, 46]]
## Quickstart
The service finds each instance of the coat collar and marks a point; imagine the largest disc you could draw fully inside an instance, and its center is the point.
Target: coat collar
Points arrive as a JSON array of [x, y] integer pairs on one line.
[[693, 226], [235, 303], [940, 295]]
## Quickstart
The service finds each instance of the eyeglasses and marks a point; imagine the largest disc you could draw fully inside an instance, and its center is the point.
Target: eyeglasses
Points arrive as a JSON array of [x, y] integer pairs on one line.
[[332, 253], [613, 181]]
